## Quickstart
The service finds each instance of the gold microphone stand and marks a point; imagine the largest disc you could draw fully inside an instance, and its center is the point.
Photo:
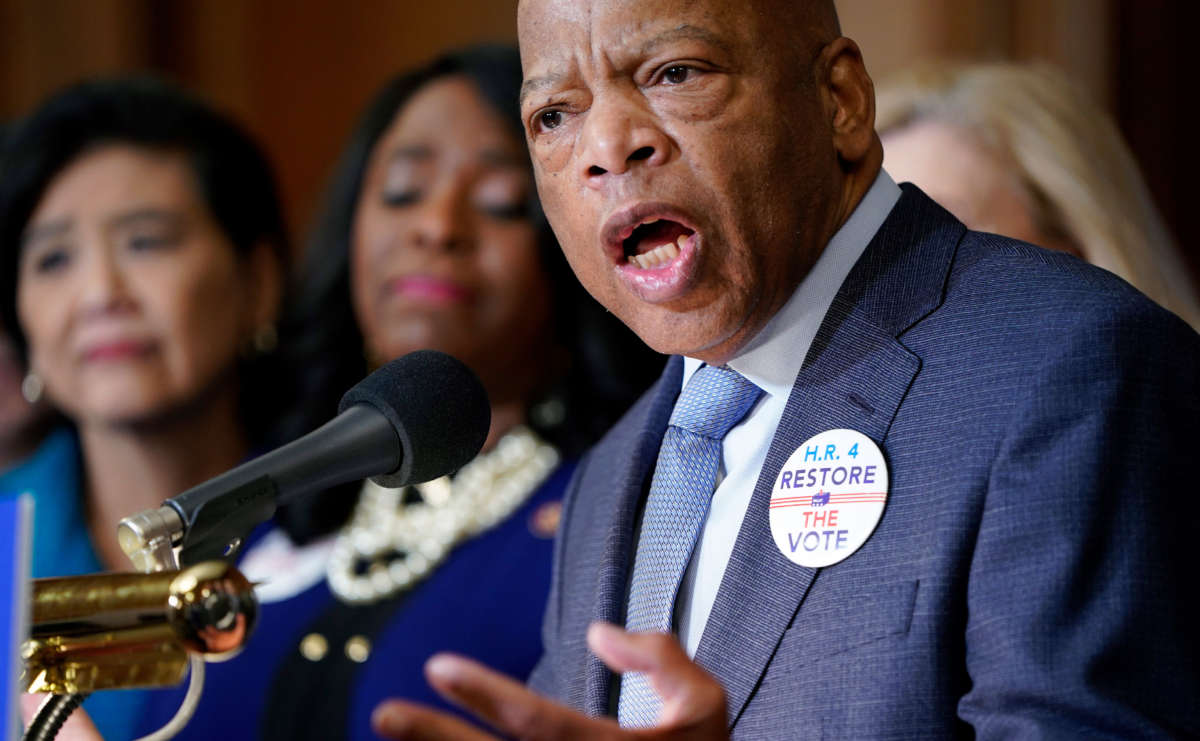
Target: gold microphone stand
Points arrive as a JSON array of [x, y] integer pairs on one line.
[[113, 631]]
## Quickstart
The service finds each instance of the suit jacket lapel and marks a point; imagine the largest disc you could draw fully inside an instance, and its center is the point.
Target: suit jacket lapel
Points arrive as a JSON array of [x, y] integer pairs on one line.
[[855, 375], [630, 465]]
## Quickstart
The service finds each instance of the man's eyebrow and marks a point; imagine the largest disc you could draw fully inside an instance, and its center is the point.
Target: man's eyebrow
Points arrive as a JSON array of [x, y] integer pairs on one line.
[[683, 33], [538, 84]]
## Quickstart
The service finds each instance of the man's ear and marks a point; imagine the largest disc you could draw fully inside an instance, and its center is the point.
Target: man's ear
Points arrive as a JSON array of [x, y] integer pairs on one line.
[[850, 99]]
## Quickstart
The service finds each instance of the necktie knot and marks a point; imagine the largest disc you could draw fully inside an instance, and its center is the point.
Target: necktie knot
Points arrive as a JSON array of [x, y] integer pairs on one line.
[[715, 399]]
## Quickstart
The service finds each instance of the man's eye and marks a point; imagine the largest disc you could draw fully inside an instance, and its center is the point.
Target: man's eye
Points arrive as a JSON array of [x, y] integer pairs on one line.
[[550, 119], [675, 75]]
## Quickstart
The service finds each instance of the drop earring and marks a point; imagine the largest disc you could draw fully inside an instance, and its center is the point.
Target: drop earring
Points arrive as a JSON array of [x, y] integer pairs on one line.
[[32, 387]]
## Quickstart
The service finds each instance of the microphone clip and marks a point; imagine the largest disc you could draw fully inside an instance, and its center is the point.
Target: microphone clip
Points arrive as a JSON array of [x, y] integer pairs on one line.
[[215, 529]]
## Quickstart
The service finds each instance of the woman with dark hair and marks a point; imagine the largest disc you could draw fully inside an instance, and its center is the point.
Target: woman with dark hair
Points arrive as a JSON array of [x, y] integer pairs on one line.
[[609, 365], [432, 238], [142, 253]]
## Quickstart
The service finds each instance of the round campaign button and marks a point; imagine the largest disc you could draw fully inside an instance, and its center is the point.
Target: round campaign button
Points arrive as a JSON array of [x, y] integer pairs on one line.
[[828, 498]]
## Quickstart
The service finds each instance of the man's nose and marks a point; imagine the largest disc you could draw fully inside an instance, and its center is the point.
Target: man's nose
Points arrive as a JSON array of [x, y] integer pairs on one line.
[[620, 134], [441, 221]]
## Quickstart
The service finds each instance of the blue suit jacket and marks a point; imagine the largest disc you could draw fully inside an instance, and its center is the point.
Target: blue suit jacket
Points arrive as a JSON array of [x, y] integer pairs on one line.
[[1033, 575]]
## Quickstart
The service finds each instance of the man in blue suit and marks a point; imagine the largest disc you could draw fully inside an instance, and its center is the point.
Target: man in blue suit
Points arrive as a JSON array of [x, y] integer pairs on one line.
[[712, 172]]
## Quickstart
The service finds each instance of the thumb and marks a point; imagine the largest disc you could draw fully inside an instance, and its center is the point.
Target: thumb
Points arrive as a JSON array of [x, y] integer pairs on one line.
[[691, 696]]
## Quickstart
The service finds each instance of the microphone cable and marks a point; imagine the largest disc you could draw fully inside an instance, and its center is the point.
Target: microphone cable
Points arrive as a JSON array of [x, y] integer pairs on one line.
[[51, 715], [187, 708]]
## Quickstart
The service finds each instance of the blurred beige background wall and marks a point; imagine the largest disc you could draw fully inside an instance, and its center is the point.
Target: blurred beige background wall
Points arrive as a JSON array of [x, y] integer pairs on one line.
[[1075, 35], [296, 72]]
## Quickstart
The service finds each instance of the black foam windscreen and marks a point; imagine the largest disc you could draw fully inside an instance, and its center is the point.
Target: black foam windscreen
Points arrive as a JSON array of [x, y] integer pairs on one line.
[[437, 407]]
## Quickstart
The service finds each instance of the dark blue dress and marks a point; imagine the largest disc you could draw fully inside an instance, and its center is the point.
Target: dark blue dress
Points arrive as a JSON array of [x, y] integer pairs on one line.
[[485, 601]]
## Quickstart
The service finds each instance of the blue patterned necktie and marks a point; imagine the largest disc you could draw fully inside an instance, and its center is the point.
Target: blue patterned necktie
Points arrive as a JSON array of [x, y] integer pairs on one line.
[[714, 400]]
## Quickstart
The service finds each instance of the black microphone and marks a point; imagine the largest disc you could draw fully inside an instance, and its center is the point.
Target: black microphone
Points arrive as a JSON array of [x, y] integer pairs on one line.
[[419, 417]]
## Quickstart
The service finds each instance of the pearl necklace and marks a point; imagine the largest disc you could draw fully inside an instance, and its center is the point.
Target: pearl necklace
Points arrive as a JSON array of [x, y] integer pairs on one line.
[[388, 545]]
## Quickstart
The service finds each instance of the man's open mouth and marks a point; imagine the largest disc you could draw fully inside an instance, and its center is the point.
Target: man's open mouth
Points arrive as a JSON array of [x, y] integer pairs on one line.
[[655, 243]]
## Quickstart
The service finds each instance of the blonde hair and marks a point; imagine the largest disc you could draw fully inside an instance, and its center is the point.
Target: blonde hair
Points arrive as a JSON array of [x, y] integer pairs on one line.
[[1081, 178]]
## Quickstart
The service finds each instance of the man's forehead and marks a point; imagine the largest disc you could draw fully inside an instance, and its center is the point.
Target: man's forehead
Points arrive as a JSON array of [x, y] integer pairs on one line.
[[552, 29]]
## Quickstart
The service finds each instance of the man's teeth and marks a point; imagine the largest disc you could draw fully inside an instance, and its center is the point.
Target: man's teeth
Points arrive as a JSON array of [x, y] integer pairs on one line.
[[660, 255]]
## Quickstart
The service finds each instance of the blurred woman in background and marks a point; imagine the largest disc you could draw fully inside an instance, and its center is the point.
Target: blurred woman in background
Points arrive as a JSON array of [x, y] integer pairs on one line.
[[432, 238], [143, 254], [1018, 150]]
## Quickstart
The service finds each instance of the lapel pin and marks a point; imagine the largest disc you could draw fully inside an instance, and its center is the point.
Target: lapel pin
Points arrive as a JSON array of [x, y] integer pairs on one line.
[[828, 498]]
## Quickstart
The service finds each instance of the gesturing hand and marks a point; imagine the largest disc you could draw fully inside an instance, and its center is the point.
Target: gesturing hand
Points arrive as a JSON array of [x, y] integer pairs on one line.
[[693, 702]]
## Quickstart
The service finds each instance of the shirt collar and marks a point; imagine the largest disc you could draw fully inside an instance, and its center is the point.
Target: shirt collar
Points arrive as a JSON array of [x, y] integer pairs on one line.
[[772, 359]]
